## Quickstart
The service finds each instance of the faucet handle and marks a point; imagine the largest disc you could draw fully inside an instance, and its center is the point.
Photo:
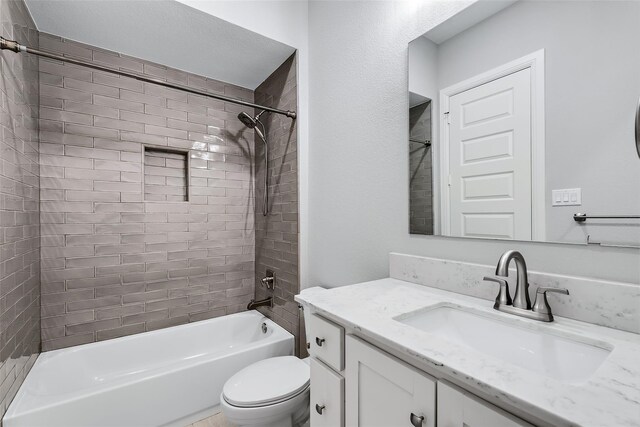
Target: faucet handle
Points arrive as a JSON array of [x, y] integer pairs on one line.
[[503, 297], [541, 305]]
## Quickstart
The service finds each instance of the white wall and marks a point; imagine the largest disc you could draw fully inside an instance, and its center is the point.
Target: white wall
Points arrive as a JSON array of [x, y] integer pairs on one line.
[[285, 21], [423, 68], [358, 158]]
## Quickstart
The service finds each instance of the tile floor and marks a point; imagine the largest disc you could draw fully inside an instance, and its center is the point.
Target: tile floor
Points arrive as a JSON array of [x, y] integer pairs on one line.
[[217, 420]]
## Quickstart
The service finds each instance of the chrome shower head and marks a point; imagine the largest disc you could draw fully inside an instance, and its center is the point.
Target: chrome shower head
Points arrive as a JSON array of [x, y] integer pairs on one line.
[[252, 122], [247, 120]]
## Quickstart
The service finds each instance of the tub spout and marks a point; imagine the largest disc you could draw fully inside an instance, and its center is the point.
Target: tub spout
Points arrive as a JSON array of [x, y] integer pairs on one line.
[[267, 302]]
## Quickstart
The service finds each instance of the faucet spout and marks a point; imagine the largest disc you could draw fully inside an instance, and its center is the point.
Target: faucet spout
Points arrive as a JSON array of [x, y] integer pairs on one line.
[[521, 297], [253, 304]]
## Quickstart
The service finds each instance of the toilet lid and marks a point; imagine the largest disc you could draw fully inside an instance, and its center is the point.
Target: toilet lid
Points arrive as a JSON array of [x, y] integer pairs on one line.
[[267, 381]]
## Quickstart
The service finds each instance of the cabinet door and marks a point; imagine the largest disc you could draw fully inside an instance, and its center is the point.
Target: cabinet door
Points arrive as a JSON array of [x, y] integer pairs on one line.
[[384, 391], [458, 408], [327, 396]]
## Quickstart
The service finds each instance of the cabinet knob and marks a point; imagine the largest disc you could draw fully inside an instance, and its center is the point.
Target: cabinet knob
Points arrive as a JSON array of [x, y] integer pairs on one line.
[[319, 409], [319, 341], [416, 421]]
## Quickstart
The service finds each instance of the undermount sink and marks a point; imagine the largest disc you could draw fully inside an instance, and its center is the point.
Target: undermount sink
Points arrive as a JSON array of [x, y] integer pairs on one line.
[[556, 357]]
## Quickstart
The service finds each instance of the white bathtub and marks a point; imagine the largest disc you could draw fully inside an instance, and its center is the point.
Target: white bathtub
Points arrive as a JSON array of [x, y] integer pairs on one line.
[[169, 377]]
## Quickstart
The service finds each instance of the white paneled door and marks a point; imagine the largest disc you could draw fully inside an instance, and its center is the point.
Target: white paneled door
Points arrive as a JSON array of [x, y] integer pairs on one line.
[[489, 151]]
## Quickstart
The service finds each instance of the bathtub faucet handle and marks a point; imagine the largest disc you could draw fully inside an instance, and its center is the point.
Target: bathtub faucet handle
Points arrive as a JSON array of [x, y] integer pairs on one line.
[[269, 280]]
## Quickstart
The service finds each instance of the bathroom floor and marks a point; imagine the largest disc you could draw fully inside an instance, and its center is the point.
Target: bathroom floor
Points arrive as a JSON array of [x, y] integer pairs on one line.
[[217, 420]]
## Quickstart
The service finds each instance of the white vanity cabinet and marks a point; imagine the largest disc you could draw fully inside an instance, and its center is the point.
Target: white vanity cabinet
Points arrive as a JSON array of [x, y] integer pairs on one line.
[[356, 384], [384, 391], [458, 408]]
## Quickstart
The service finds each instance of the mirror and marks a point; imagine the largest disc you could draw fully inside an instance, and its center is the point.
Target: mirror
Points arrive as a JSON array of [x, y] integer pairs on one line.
[[522, 123]]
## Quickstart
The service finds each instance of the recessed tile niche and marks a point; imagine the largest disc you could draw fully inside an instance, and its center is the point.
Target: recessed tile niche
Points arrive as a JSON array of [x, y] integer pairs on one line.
[[166, 177]]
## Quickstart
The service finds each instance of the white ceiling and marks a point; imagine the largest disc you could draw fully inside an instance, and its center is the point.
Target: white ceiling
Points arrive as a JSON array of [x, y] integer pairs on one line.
[[165, 32]]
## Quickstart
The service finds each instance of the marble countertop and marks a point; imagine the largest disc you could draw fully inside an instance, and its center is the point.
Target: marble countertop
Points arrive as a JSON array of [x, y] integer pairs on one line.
[[610, 397]]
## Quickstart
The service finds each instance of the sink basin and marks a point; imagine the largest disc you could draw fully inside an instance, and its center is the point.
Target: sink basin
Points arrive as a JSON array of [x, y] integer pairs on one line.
[[554, 356]]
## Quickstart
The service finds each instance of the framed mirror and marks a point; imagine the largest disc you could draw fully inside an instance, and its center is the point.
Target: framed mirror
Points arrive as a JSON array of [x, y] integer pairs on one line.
[[522, 123]]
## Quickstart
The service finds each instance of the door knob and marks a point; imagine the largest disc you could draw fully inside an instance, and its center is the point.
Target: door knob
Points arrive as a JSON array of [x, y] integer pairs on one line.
[[319, 341], [319, 409], [416, 421]]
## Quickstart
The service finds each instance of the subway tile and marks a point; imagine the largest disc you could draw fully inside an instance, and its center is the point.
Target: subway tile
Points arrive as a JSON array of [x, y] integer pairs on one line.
[[118, 104], [93, 326], [162, 131], [142, 98], [91, 153], [91, 131], [115, 60], [124, 125], [65, 93], [65, 116], [117, 81], [102, 175], [98, 261], [119, 207], [92, 196], [91, 88], [120, 332], [95, 110]]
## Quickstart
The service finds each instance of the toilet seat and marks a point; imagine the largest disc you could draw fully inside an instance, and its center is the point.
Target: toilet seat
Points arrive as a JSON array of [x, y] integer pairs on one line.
[[267, 382]]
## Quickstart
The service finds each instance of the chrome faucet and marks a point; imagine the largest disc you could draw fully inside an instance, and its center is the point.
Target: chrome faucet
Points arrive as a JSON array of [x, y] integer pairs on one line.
[[521, 304], [521, 297]]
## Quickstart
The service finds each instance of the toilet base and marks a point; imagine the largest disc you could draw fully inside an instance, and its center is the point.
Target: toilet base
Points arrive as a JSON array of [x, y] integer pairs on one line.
[[290, 413]]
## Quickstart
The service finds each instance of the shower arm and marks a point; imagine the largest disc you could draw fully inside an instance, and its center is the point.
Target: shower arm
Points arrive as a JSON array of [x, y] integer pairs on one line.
[[14, 46]]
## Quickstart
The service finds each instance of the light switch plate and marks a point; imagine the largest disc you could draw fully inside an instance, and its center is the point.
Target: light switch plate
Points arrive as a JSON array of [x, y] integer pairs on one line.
[[566, 197]]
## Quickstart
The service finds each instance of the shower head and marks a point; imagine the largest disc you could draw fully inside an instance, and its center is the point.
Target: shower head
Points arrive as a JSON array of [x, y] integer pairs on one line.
[[247, 120], [252, 122]]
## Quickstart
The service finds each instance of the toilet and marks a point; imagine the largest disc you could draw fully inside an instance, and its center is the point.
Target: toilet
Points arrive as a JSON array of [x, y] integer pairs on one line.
[[273, 392]]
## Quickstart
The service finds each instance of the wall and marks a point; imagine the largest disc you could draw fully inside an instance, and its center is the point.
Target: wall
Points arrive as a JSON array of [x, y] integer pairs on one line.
[[420, 170], [114, 264], [277, 233], [286, 21], [19, 219], [358, 172], [588, 102]]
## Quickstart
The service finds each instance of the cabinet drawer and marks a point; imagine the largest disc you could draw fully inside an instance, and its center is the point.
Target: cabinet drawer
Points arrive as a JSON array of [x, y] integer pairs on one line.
[[457, 407], [327, 342], [327, 396]]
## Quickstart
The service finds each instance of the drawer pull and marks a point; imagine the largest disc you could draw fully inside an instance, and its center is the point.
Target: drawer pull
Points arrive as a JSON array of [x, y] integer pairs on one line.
[[319, 341], [319, 409], [416, 421]]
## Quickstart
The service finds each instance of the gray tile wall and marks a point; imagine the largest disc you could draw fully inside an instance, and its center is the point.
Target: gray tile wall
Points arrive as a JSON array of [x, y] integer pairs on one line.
[[420, 167], [114, 264], [277, 233], [19, 218]]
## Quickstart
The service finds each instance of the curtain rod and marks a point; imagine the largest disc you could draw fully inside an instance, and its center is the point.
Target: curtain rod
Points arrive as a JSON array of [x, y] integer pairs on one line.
[[14, 46]]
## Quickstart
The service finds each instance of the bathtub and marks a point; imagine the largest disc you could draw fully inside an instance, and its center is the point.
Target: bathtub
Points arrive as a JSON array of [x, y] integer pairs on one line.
[[169, 377]]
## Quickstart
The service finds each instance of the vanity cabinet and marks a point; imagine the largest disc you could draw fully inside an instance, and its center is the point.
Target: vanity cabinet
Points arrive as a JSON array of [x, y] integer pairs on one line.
[[354, 383], [457, 408], [384, 391]]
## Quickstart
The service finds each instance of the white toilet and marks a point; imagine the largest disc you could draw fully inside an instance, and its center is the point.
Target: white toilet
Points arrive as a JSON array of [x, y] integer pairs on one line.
[[270, 393]]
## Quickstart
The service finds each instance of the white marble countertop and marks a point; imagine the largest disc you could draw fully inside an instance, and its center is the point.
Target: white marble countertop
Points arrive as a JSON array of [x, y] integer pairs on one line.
[[610, 397]]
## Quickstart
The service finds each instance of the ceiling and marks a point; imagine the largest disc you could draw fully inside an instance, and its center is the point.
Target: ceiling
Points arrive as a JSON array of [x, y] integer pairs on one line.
[[166, 32]]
